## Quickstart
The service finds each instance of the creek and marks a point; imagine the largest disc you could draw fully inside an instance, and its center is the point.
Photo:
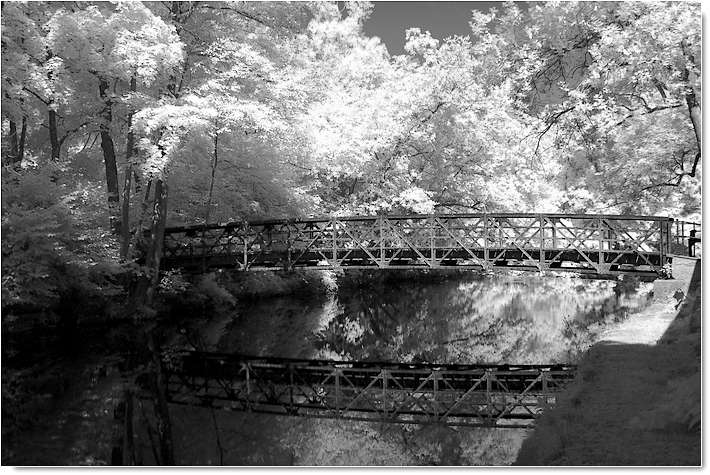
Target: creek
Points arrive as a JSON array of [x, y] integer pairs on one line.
[[474, 319], [470, 319]]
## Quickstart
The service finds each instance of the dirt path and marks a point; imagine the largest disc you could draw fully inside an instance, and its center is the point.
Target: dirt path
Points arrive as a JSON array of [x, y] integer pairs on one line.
[[645, 328]]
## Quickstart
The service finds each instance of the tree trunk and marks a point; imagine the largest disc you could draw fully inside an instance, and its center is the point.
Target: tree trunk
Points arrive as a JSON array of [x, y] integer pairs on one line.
[[14, 144], [691, 99], [209, 201], [109, 159], [137, 241], [128, 436], [143, 418], [137, 180], [215, 161], [695, 116], [167, 453], [125, 215], [144, 290], [23, 137], [54, 135], [157, 233], [125, 225]]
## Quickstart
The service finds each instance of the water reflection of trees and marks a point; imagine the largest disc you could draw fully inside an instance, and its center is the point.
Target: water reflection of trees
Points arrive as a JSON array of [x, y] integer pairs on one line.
[[478, 321], [281, 327]]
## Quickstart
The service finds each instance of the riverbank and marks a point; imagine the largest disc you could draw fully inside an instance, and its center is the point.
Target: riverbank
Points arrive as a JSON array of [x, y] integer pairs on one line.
[[637, 398]]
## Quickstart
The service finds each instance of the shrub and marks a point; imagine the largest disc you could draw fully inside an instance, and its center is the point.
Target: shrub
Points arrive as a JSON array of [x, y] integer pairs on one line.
[[35, 261]]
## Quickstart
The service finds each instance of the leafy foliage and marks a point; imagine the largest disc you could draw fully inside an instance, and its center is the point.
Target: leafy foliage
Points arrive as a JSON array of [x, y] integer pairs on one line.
[[615, 85], [268, 109], [37, 239], [51, 246]]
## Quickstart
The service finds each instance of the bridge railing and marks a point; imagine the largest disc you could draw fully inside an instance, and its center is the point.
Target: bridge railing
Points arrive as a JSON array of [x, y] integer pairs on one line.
[[686, 237], [584, 243]]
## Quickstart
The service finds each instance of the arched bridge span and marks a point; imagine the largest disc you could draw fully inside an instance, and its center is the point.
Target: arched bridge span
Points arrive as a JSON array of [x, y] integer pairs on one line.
[[599, 244]]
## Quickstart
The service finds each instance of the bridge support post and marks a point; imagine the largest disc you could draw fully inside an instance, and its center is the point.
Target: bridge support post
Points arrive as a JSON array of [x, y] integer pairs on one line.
[[436, 376], [381, 221], [489, 398], [432, 240], [485, 242], [334, 227], [384, 374], [601, 243], [248, 385], [544, 387], [554, 236], [291, 383], [288, 265], [245, 240], [337, 372]]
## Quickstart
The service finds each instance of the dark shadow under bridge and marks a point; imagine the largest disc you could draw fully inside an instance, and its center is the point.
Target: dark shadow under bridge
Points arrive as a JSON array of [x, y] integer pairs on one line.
[[598, 244]]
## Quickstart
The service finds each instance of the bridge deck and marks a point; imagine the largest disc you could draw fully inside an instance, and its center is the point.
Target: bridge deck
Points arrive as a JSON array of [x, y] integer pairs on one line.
[[579, 243], [459, 395]]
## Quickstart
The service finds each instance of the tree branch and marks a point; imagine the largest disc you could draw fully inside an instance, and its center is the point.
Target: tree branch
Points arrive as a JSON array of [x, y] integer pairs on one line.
[[456, 204], [244, 14], [43, 101], [72, 131], [650, 110], [550, 122]]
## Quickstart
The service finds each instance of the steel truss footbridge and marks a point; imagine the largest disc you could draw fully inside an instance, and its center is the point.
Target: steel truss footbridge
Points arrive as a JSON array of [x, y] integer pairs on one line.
[[494, 396], [502, 396], [598, 244]]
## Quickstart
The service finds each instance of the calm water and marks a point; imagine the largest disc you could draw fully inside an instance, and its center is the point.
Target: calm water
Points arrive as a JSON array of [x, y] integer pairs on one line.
[[521, 320], [470, 320]]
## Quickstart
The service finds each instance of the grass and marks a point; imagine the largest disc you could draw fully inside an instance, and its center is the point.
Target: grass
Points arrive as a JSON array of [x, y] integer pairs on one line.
[[631, 404]]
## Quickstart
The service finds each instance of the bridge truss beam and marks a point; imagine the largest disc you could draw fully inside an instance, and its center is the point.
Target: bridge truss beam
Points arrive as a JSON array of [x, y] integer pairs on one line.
[[458, 395], [579, 243]]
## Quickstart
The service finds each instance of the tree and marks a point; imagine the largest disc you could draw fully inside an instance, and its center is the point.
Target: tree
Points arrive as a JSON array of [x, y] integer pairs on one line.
[[418, 133], [346, 118], [32, 85], [465, 138], [228, 166], [592, 72], [103, 45]]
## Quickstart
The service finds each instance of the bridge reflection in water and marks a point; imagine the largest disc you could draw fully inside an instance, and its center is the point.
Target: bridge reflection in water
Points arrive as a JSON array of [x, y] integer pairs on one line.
[[599, 244], [504, 396]]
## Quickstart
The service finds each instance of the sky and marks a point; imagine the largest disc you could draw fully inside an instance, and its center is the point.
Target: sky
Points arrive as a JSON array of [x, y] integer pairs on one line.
[[390, 19]]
